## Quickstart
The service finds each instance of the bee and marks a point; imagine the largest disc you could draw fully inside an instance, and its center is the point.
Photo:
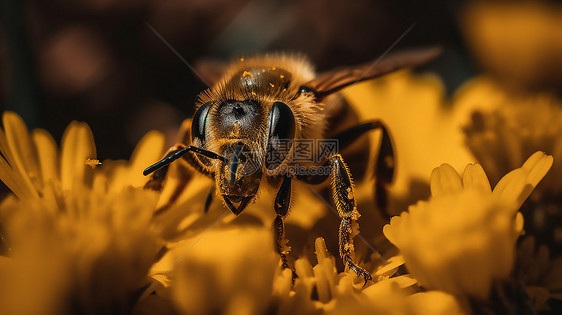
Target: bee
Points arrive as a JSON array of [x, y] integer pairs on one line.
[[249, 128]]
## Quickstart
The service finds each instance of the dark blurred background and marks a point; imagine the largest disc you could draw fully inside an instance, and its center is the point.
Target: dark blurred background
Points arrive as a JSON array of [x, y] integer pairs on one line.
[[99, 61]]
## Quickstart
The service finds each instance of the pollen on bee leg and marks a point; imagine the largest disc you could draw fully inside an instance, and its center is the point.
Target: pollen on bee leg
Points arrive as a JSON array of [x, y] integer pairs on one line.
[[349, 193], [355, 214], [349, 247], [284, 247]]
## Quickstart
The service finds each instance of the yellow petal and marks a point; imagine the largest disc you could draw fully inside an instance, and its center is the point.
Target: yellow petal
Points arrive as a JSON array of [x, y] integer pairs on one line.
[[23, 155], [392, 231], [510, 184], [390, 268], [404, 281], [518, 184], [148, 151], [537, 165], [475, 177], [77, 146], [13, 180], [303, 268], [324, 272], [320, 250], [10, 175], [434, 302], [48, 154], [445, 180]]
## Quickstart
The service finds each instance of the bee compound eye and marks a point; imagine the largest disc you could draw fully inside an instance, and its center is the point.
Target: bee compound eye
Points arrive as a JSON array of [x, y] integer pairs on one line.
[[281, 122], [199, 123]]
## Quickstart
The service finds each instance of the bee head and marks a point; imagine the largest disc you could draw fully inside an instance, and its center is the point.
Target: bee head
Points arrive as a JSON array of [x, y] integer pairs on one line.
[[251, 138]]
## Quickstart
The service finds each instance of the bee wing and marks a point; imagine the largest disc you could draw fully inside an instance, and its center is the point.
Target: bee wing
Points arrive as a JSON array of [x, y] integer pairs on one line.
[[333, 81]]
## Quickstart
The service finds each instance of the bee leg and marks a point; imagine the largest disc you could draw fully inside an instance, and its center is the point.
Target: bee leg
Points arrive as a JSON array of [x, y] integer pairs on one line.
[[281, 206], [384, 170], [384, 167], [343, 194]]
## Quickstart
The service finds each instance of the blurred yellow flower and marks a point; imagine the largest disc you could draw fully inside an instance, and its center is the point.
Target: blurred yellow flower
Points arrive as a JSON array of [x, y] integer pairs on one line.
[[508, 128], [235, 272], [463, 238], [519, 42], [228, 271], [512, 129], [424, 129], [31, 160], [81, 239]]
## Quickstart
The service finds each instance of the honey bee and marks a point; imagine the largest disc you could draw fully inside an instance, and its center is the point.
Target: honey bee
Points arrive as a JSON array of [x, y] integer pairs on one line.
[[249, 128]]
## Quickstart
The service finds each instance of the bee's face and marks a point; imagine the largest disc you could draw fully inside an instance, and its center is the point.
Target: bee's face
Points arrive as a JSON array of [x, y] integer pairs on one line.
[[242, 131]]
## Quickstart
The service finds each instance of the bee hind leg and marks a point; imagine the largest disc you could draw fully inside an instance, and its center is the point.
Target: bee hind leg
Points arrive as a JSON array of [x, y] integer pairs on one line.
[[281, 206], [385, 163], [343, 194]]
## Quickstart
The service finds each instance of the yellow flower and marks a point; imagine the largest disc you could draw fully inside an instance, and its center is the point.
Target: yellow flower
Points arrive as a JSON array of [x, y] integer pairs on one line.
[[424, 129], [227, 271], [463, 238], [512, 129], [235, 271], [518, 41], [81, 239], [507, 129], [390, 294], [31, 160]]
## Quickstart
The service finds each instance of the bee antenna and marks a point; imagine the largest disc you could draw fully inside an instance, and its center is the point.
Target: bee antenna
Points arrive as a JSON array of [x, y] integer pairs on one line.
[[167, 160]]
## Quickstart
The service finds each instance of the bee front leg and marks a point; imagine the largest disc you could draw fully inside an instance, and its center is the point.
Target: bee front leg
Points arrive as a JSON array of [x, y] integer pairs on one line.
[[344, 198], [281, 206]]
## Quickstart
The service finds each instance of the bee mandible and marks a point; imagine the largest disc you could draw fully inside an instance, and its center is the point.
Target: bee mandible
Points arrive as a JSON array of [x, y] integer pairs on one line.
[[247, 129]]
